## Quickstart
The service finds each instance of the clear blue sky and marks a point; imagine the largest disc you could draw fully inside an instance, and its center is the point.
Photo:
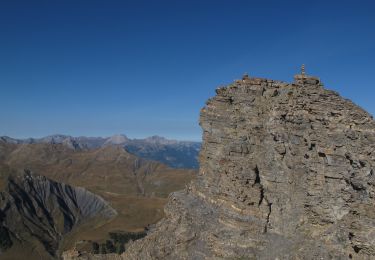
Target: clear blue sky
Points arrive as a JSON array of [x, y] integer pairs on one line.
[[141, 68]]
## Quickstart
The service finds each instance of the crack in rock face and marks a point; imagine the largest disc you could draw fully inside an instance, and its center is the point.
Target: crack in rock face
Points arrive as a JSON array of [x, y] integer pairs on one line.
[[286, 172]]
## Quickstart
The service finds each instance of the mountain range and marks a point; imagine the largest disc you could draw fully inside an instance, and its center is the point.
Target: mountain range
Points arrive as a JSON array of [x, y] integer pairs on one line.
[[135, 188], [176, 154]]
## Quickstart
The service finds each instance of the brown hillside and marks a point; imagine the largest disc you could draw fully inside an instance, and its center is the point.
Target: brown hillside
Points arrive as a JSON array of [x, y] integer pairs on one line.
[[137, 188]]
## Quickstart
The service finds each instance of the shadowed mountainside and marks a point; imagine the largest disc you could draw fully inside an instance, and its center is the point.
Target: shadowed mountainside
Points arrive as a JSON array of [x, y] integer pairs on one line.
[[36, 213]]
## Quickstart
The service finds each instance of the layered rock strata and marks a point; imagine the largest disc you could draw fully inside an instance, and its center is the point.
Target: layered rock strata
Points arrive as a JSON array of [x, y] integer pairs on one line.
[[286, 172]]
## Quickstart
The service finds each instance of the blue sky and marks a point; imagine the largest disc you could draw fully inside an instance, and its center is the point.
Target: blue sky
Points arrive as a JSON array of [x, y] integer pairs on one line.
[[142, 68]]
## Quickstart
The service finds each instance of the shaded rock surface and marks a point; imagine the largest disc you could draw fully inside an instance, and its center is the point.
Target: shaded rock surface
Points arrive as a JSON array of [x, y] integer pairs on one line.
[[36, 210], [286, 172]]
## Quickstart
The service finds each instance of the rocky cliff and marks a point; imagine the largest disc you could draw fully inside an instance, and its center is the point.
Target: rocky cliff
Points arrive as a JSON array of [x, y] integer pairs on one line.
[[286, 172], [36, 214]]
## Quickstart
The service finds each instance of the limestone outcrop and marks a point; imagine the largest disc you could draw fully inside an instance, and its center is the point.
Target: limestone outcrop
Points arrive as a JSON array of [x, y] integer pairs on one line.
[[286, 172]]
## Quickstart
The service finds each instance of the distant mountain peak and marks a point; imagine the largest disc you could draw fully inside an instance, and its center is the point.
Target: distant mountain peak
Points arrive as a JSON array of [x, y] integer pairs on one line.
[[159, 139], [117, 139], [57, 138], [9, 140]]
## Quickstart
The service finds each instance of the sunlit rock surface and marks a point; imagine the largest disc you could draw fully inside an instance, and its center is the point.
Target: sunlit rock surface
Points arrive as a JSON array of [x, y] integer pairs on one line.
[[286, 172]]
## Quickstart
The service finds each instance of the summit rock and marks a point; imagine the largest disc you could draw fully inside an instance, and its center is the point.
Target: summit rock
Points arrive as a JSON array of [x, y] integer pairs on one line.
[[286, 172]]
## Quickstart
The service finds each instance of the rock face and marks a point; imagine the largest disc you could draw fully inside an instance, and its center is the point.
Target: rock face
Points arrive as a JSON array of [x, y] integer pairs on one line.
[[286, 172], [37, 212]]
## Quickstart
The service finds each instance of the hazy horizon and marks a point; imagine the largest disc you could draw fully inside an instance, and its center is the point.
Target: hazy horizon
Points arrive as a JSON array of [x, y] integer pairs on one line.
[[108, 136], [146, 68]]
